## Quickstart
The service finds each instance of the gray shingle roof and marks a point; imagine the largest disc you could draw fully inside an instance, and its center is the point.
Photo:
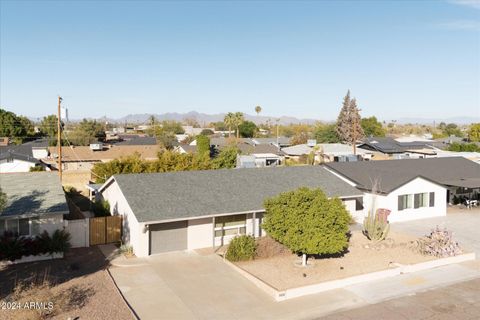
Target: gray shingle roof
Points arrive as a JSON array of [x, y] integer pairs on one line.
[[32, 194], [21, 152], [389, 145], [391, 174], [176, 195]]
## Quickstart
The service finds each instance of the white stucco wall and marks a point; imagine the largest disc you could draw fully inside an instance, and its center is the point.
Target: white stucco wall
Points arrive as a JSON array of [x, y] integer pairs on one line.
[[15, 166], [50, 223], [418, 185], [133, 231], [200, 233]]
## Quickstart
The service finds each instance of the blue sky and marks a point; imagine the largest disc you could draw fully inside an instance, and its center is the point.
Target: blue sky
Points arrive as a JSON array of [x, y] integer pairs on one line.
[[399, 58]]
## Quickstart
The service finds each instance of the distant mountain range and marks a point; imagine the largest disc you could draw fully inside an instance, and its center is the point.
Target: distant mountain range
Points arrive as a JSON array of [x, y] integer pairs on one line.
[[205, 119]]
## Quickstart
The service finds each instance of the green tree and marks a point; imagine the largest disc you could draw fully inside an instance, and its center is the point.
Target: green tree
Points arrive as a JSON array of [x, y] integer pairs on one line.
[[307, 222], [219, 126], [238, 120], [11, 125], [299, 138], [247, 129], [326, 133], [463, 147], [230, 122], [3, 200], [48, 126], [166, 139], [372, 127], [226, 158], [452, 129], [258, 109], [203, 145], [86, 132], [474, 132], [172, 126], [206, 132]]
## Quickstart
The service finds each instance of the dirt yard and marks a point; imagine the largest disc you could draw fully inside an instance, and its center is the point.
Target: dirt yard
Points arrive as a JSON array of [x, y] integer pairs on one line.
[[283, 272], [79, 288]]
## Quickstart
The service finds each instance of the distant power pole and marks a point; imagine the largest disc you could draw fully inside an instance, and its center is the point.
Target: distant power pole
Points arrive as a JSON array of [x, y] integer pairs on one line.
[[59, 139]]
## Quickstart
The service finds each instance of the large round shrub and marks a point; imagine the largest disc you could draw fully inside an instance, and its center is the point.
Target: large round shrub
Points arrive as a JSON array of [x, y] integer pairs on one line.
[[307, 222], [241, 248]]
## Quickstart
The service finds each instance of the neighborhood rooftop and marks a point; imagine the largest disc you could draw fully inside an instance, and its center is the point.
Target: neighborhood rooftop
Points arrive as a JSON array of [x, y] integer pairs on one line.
[[177, 195], [390, 174], [32, 194]]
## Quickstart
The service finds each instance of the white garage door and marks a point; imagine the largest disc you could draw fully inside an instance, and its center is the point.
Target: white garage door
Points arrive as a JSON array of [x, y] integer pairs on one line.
[[166, 237]]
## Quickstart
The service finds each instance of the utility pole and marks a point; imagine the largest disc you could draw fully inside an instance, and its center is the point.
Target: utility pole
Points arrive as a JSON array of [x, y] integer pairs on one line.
[[59, 139]]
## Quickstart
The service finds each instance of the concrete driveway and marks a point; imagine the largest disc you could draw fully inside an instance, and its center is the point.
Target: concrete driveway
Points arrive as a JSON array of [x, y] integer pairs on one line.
[[190, 286], [186, 285], [465, 225]]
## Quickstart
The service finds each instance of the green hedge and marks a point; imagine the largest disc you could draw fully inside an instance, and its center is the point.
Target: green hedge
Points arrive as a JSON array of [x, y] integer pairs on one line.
[[14, 247]]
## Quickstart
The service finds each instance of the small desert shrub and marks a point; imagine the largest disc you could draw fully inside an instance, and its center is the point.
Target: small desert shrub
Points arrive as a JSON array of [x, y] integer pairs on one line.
[[126, 249], [376, 226], [241, 248], [268, 247], [439, 243]]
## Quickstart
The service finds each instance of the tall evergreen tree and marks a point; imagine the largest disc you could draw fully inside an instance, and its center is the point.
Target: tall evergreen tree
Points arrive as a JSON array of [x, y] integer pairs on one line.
[[349, 128]]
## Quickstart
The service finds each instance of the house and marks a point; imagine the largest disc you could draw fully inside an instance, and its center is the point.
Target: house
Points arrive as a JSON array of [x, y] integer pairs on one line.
[[280, 142], [35, 202], [326, 152], [411, 188], [20, 158], [82, 158], [389, 148], [258, 160], [196, 209]]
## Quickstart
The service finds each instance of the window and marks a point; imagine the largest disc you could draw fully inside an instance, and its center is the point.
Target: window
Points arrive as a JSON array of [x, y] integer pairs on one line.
[[23, 227], [35, 224], [11, 226], [230, 225], [358, 204], [432, 199], [421, 200], [405, 202]]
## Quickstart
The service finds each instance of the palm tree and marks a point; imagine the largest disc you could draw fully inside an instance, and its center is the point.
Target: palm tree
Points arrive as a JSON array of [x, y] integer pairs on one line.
[[258, 109], [238, 116], [229, 121]]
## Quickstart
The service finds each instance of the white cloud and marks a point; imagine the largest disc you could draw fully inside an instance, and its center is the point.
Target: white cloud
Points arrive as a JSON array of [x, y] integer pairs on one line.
[[469, 3]]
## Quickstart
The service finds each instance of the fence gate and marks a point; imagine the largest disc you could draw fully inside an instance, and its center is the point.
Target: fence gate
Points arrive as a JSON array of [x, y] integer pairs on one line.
[[105, 230]]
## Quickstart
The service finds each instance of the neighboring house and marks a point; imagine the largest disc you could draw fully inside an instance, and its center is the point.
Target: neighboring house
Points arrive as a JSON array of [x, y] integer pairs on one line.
[[393, 149], [191, 131], [326, 152], [35, 202], [20, 158], [411, 188], [138, 141], [280, 142], [185, 148], [82, 158], [196, 209], [259, 160]]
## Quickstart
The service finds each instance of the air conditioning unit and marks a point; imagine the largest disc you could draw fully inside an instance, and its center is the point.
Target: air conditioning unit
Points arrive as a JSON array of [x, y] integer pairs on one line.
[[311, 142]]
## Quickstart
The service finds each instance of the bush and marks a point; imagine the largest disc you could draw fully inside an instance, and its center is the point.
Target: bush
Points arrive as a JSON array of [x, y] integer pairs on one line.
[[101, 208], [439, 243], [14, 247], [307, 222], [241, 248], [37, 169]]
